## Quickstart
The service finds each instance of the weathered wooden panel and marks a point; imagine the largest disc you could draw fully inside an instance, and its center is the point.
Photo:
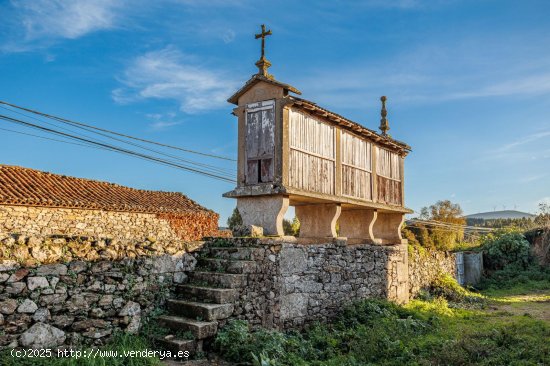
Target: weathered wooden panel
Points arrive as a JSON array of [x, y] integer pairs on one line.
[[356, 183], [387, 164], [389, 191], [356, 166], [389, 177], [312, 153], [260, 141]]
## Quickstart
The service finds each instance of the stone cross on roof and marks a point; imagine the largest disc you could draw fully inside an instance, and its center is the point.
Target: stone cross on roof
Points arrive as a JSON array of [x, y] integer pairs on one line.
[[263, 64]]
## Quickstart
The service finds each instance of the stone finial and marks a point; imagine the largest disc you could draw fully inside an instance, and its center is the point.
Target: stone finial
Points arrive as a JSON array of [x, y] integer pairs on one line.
[[263, 64], [384, 124]]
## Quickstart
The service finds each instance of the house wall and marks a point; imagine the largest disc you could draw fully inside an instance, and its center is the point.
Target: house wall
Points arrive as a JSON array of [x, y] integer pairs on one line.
[[44, 221]]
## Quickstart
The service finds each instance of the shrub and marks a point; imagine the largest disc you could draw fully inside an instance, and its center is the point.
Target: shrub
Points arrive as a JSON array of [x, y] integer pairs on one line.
[[236, 343], [505, 248], [445, 286]]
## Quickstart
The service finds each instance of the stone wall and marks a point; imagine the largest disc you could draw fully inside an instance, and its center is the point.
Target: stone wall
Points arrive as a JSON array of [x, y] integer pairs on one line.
[[76, 301], [292, 284], [45, 221], [425, 265]]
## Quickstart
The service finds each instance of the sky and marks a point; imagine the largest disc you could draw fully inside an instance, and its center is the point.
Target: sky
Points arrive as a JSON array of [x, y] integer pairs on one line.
[[468, 85]]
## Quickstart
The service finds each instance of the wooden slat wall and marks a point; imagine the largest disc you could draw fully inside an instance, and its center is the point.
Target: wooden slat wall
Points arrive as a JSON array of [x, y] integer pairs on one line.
[[389, 177], [312, 153], [356, 167]]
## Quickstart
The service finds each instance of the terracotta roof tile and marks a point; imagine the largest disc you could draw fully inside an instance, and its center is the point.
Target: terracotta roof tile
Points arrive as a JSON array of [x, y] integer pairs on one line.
[[29, 187]]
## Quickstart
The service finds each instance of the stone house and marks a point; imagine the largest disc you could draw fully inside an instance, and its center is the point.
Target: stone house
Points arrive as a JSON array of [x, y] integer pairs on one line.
[[35, 203]]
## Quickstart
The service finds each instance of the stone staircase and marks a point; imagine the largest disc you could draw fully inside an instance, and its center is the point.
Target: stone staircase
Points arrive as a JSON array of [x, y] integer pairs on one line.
[[203, 305]]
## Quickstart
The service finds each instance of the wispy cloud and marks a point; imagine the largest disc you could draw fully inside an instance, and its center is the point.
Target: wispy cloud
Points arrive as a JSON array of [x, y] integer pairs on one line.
[[39, 22], [532, 178], [170, 74], [162, 121], [524, 140], [524, 148], [473, 67]]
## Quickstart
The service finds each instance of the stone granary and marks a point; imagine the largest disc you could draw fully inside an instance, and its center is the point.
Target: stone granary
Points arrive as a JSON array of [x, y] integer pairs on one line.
[[36, 203], [293, 152]]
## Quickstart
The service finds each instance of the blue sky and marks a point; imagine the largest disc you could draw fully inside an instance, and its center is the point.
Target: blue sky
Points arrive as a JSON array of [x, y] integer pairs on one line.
[[468, 85]]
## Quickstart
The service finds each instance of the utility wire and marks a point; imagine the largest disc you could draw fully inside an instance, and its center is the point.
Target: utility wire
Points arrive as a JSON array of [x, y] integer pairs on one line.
[[74, 123], [115, 148], [48, 138], [212, 168]]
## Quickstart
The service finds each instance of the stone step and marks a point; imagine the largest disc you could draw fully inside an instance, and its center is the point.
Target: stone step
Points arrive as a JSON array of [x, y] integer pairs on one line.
[[199, 329], [217, 279], [227, 265], [175, 345], [200, 310], [209, 294], [235, 253], [232, 242]]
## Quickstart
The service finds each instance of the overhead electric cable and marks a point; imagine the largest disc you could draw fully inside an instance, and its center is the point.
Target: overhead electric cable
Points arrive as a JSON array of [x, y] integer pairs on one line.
[[115, 148], [212, 168], [64, 120]]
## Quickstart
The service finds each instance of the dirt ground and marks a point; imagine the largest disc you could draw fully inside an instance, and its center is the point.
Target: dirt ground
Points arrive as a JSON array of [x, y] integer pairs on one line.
[[535, 304]]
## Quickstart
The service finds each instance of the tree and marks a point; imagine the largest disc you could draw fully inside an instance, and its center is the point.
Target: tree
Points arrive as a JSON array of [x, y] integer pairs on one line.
[[440, 236], [235, 219], [543, 218], [291, 227]]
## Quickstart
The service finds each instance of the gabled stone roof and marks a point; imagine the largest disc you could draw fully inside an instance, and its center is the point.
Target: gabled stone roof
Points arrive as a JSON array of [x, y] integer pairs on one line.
[[29, 187], [256, 78]]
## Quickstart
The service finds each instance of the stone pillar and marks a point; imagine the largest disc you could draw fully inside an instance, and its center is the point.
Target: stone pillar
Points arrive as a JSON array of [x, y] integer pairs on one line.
[[358, 224], [398, 275], [387, 227], [319, 220], [264, 211]]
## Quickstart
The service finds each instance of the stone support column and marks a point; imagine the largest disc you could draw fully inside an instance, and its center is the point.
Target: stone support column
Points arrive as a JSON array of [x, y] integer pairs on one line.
[[265, 211], [387, 227], [358, 224], [319, 220]]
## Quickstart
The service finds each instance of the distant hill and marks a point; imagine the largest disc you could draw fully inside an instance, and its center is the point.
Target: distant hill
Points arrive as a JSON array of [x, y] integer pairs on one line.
[[495, 215]]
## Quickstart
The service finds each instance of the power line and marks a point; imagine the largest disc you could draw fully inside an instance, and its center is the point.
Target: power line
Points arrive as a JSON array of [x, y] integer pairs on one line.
[[116, 149], [48, 138], [211, 168], [74, 123]]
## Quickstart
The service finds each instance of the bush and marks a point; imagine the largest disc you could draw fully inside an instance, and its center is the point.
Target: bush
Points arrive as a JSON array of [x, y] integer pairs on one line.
[[534, 277], [236, 343], [505, 248], [445, 286]]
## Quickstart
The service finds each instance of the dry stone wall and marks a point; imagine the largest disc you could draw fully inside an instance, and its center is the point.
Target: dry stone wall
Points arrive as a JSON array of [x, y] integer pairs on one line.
[[292, 285], [425, 266], [45, 221], [75, 300]]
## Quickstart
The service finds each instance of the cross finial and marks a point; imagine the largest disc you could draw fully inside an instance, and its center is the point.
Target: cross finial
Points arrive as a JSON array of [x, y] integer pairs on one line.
[[262, 36], [263, 64], [384, 124]]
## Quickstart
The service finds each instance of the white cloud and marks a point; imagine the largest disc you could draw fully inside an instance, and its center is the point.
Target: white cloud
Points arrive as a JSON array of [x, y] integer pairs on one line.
[[169, 74], [65, 19], [525, 140], [162, 121]]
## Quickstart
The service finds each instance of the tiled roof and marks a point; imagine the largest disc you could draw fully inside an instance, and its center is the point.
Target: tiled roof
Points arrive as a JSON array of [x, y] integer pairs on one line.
[[29, 187]]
